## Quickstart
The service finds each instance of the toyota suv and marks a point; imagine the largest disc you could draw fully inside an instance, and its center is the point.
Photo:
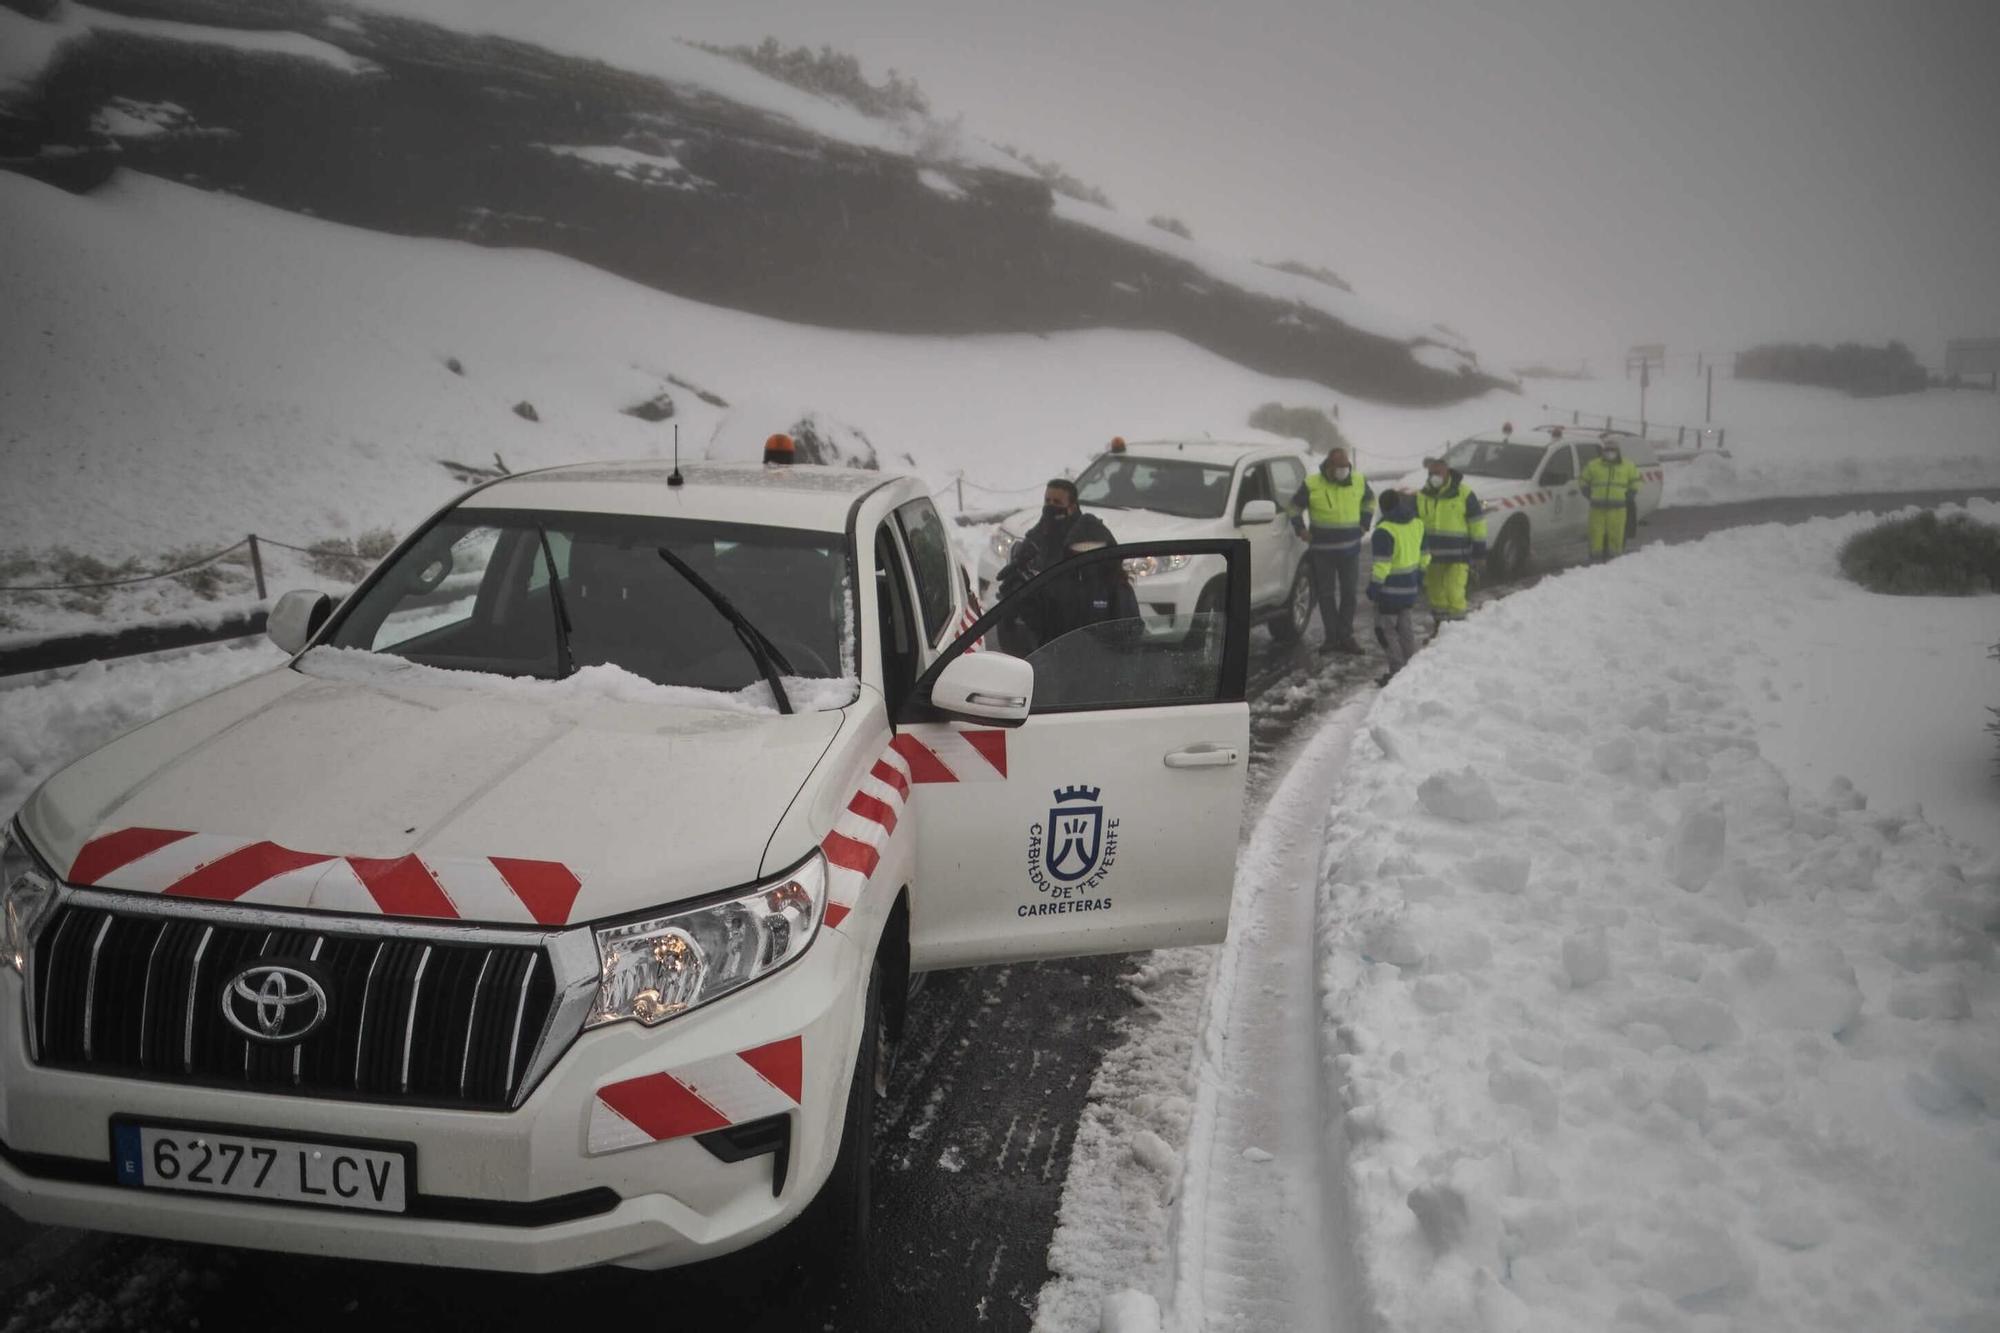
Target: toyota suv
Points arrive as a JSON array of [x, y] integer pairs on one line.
[[1178, 489], [554, 904]]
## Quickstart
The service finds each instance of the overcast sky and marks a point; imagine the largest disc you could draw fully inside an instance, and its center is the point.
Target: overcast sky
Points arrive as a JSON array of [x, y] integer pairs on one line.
[[1555, 178]]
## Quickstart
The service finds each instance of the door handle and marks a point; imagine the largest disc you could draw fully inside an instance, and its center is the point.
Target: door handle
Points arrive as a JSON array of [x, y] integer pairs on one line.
[[1203, 755]]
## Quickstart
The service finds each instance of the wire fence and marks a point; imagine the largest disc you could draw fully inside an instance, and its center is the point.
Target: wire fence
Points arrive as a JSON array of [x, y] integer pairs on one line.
[[253, 543]]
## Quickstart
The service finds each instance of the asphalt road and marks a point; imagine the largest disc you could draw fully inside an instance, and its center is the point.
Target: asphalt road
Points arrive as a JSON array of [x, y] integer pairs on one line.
[[972, 1142]]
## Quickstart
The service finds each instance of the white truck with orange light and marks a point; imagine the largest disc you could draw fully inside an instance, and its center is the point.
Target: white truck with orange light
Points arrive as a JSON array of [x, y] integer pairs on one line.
[[555, 902], [1527, 482]]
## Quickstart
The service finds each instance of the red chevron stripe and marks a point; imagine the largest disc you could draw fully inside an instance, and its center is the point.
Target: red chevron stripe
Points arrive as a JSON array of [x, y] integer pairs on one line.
[[924, 766], [991, 744], [850, 853], [403, 886], [883, 772], [661, 1106], [869, 807], [114, 851], [547, 888], [782, 1063], [232, 876]]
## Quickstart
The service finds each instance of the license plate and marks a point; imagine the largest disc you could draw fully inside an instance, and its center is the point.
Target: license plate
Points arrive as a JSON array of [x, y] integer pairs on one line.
[[249, 1166]]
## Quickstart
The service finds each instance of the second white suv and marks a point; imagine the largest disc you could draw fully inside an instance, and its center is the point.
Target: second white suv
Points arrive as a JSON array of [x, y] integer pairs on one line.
[[1183, 489]]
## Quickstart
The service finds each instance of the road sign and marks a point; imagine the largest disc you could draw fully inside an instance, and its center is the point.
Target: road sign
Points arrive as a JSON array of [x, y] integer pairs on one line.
[[1972, 356]]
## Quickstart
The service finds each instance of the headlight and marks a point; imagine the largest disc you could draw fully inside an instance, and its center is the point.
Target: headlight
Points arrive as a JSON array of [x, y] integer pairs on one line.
[[27, 892], [1148, 565], [653, 970], [1001, 547]]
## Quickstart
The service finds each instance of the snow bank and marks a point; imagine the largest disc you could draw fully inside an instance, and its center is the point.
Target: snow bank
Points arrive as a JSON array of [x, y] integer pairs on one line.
[[1671, 1037], [27, 47], [47, 721], [294, 45]]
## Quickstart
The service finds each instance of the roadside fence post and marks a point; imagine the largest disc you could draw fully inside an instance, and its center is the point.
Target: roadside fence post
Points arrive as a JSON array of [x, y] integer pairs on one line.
[[257, 567]]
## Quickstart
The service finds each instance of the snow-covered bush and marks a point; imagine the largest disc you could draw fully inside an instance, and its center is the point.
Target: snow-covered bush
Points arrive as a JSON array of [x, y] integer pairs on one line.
[[1925, 555], [1311, 424]]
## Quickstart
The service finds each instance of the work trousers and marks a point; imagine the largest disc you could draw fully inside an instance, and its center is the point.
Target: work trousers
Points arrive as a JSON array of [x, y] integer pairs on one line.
[[1396, 631], [1444, 588], [1336, 578], [1607, 532]]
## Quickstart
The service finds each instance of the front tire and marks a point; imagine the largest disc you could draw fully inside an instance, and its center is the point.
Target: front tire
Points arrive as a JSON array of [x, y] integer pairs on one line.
[[1508, 559], [1289, 625]]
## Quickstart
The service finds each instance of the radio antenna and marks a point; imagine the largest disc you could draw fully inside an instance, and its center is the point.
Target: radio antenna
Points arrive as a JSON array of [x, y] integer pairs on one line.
[[675, 478]]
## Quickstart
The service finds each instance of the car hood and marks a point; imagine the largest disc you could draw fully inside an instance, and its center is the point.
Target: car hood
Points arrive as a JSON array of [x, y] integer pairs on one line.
[[420, 799]]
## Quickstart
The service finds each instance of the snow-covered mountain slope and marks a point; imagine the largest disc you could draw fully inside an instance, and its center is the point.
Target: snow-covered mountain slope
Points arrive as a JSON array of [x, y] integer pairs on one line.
[[673, 166], [179, 367]]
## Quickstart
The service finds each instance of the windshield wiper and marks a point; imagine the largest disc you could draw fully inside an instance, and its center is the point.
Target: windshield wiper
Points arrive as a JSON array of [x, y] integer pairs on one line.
[[565, 659], [770, 661]]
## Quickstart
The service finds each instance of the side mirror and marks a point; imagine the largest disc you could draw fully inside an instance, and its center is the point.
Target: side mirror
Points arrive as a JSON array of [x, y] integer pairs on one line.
[[1258, 512], [297, 617], [985, 687]]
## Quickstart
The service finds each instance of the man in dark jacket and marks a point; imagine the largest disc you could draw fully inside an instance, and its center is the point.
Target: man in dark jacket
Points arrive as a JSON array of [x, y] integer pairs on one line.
[[1096, 593]]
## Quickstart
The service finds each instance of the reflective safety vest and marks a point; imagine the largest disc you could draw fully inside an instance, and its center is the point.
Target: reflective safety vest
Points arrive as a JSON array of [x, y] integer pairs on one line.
[[1338, 510], [1454, 522], [1400, 558], [1608, 484]]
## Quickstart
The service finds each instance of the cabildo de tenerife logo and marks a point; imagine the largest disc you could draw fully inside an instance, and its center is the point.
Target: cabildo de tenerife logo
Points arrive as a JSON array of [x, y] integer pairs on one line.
[[1071, 855]]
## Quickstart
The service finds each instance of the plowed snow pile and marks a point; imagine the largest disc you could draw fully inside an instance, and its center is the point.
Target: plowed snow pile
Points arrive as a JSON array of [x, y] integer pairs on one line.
[[1630, 1031]]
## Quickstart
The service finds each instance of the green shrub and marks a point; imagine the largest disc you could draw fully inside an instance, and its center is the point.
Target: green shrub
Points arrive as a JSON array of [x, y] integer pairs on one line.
[[348, 559], [1925, 556], [1320, 431]]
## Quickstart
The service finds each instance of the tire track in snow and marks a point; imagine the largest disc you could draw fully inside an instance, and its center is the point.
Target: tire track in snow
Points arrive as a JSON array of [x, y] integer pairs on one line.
[[1261, 1241]]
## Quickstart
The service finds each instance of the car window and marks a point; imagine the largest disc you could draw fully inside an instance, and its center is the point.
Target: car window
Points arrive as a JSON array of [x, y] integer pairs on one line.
[[929, 546], [449, 599], [1584, 453], [896, 619], [1558, 469], [1256, 486], [1093, 645], [474, 594], [1503, 460], [1181, 487], [1289, 474]]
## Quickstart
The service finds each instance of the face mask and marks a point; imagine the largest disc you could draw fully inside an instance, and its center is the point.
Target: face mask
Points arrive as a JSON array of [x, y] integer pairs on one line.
[[1053, 511], [1611, 456], [1342, 473], [1434, 483]]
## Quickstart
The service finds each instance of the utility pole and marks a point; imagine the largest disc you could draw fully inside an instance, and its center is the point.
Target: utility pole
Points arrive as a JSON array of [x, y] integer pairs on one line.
[[1708, 413], [1645, 382]]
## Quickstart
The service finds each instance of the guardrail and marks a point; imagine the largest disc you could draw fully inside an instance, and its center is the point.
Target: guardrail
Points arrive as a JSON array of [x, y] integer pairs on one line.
[[1685, 437]]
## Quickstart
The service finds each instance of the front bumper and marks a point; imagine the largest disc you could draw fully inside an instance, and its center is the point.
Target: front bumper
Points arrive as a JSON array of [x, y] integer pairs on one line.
[[484, 1184]]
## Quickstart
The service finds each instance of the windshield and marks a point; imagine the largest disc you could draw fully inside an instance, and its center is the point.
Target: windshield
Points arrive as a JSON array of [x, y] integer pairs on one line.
[[1495, 458], [1174, 486], [473, 595]]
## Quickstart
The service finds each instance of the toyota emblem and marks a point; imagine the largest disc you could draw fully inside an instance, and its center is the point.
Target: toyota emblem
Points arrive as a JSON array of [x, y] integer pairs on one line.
[[274, 1002]]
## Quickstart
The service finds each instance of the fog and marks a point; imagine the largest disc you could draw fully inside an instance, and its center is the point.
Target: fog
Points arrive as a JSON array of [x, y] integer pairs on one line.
[[1554, 178]]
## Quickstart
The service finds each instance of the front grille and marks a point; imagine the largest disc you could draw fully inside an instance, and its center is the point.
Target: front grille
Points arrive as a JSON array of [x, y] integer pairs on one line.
[[428, 1020]]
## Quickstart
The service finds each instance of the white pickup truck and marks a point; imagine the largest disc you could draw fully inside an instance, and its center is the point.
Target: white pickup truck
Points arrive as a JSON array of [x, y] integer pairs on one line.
[[1535, 507], [1192, 489], [553, 904]]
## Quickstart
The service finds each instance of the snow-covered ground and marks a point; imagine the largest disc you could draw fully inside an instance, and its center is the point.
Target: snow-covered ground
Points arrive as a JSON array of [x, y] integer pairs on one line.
[[1645, 997]]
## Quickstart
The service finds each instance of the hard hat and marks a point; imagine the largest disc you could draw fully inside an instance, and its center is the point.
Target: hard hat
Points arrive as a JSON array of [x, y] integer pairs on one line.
[[779, 449]]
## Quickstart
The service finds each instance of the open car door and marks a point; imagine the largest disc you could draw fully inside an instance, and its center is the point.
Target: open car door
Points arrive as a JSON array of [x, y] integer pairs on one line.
[[1107, 820]]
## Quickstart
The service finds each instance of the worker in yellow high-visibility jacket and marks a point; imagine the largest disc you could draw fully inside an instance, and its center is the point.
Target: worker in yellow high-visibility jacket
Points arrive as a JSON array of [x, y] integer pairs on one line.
[[1609, 481], [1454, 538], [1394, 576]]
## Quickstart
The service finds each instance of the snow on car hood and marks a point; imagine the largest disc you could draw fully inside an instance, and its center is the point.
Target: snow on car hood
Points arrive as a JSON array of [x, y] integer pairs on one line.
[[413, 793]]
